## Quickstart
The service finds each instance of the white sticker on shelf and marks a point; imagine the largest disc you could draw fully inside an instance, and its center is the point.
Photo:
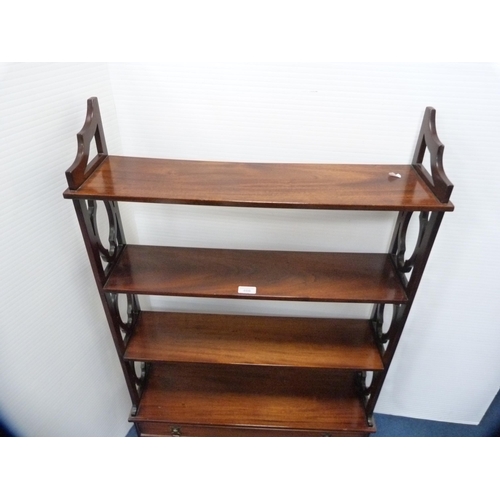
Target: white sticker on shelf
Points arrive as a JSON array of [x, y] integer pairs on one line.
[[252, 290]]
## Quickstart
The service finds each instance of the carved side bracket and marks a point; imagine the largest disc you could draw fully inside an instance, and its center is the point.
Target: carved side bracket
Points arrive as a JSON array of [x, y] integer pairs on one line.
[[126, 327], [365, 390], [138, 379], [87, 215], [415, 264], [92, 127], [106, 254], [404, 265], [122, 330], [429, 223], [102, 259], [383, 337], [428, 139]]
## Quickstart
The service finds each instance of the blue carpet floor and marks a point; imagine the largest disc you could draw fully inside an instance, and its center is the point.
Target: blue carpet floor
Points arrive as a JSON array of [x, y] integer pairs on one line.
[[391, 426]]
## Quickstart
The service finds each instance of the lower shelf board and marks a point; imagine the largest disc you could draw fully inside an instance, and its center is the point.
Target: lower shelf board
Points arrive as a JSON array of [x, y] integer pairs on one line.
[[241, 400]]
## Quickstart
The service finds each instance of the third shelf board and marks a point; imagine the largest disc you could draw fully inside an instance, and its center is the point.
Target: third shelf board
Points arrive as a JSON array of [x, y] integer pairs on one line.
[[254, 340]]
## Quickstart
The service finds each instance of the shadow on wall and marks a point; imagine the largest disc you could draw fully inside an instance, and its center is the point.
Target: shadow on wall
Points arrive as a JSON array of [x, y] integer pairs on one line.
[[4, 430]]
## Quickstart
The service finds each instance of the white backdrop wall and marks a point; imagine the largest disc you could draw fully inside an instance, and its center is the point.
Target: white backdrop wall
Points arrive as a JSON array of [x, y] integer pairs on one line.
[[58, 370], [59, 373], [447, 365]]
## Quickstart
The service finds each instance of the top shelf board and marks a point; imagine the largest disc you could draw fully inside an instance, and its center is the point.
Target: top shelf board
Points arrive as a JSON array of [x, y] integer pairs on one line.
[[271, 185]]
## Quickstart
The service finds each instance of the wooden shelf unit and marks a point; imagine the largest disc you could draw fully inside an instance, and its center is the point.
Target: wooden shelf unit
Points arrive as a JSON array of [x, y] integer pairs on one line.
[[197, 374]]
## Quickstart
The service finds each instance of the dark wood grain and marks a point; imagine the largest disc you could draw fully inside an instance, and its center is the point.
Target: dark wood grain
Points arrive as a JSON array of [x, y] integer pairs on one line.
[[322, 186], [255, 340], [277, 275], [249, 396]]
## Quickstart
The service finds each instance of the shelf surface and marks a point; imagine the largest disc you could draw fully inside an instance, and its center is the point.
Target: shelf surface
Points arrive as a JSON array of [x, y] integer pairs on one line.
[[276, 275], [254, 340], [280, 398], [275, 185]]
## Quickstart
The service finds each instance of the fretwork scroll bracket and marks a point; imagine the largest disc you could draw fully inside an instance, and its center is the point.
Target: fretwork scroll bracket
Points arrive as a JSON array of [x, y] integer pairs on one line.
[[428, 139], [91, 129]]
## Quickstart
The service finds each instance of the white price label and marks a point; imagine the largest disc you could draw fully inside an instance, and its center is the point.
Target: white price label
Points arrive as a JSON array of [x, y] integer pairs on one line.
[[252, 290]]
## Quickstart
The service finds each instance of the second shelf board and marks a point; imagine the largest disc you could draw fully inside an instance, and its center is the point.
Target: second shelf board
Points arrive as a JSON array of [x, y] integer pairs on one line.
[[273, 275], [254, 340]]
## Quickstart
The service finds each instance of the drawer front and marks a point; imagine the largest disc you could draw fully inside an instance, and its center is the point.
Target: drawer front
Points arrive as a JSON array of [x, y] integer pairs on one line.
[[179, 430]]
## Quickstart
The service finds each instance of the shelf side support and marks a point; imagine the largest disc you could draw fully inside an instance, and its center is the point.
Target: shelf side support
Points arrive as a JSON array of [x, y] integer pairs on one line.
[[410, 269], [91, 129], [428, 139], [101, 261], [410, 272], [103, 256]]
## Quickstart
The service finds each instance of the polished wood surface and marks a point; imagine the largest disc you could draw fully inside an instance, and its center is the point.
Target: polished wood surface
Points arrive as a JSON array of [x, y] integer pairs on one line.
[[323, 186], [277, 275], [250, 396], [254, 340]]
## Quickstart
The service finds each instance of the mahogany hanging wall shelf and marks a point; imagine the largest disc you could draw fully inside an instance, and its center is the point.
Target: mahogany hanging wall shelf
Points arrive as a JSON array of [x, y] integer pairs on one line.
[[193, 374]]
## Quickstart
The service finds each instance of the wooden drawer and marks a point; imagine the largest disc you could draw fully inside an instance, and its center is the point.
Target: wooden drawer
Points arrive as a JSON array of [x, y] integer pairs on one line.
[[176, 430]]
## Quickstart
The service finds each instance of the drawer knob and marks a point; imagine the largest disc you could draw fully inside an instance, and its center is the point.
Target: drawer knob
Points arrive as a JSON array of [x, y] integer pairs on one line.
[[176, 432]]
